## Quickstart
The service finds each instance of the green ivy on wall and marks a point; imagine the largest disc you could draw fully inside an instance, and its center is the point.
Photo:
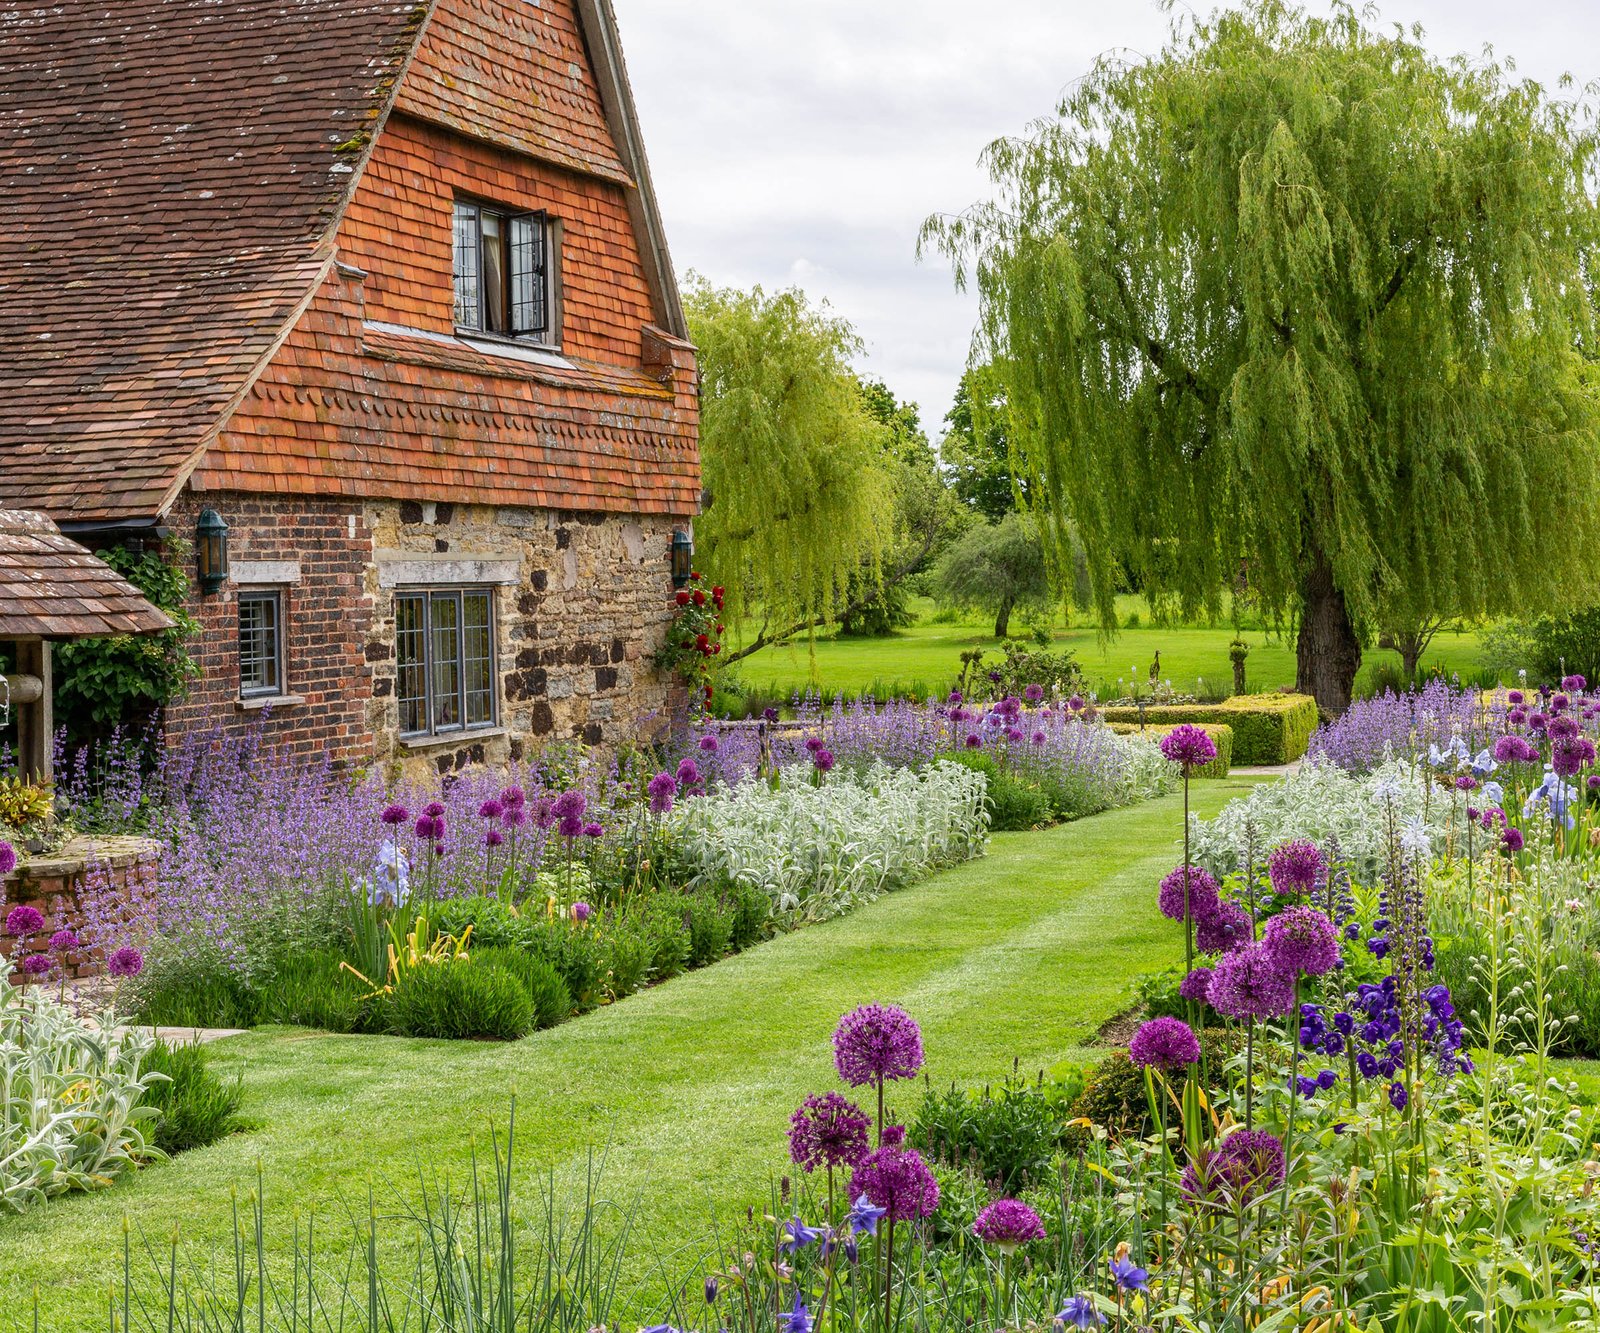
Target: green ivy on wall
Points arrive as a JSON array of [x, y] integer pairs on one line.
[[122, 681]]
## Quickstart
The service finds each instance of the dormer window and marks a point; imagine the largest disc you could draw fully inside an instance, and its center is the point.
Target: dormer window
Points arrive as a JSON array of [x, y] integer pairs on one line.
[[502, 272]]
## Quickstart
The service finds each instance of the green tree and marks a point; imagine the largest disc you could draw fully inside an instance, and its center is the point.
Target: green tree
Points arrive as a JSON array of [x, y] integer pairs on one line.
[[795, 465], [977, 447], [997, 567], [1299, 294]]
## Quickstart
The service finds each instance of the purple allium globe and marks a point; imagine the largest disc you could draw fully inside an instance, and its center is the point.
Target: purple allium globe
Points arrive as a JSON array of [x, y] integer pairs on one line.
[[823, 759], [394, 814], [1574, 682], [1296, 868], [1228, 928], [1203, 894], [877, 1042], [433, 809], [1188, 745], [1302, 939], [1033, 693], [661, 789], [897, 1181], [1511, 840], [570, 805], [1249, 1163], [1250, 983], [581, 911], [37, 964], [594, 830], [491, 809], [24, 920], [1514, 750], [708, 744], [8, 857], [1164, 1043], [493, 838], [1195, 985], [125, 962], [570, 826], [64, 941], [1008, 1224], [513, 798], [828, 1131]]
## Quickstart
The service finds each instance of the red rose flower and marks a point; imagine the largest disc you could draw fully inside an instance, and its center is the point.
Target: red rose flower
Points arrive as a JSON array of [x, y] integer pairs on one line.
[[682, 599], [699, 597], [695, 576], [700, 640], [716, 591]]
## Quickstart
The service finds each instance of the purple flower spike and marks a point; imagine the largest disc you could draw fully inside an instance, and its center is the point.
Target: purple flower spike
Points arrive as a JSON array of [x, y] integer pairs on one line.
[[876, 1042]]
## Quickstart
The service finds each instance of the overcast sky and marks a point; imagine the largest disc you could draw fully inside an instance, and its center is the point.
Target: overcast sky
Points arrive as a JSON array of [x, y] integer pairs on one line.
[[804, 144]]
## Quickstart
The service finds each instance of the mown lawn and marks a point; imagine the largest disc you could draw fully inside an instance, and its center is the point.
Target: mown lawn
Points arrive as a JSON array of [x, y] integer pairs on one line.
[[929, 655], [1023, 954]]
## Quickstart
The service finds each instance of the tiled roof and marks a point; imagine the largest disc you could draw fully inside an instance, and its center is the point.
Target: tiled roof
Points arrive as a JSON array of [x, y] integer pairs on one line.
[[517, 75], [52, 588], [168, 172]]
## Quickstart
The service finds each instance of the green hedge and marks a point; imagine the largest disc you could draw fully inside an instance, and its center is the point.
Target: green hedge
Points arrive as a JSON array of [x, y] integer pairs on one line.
[[1267, 728], [1221, 736]]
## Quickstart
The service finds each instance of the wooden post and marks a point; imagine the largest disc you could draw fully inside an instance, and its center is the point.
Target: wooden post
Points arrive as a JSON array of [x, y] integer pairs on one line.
[[35, 721]]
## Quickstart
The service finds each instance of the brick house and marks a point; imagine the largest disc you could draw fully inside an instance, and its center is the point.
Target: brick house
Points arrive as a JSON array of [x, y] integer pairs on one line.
[[382, 286]]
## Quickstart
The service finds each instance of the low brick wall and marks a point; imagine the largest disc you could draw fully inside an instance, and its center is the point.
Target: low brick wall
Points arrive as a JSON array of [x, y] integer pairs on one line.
[[55, 884]]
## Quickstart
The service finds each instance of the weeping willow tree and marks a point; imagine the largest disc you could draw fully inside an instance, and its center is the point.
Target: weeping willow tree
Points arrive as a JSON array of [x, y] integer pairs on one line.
[[1296, 303], [793, 463]]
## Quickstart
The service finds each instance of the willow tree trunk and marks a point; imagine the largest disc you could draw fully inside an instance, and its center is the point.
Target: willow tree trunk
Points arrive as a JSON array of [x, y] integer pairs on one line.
[[1002, 618], [1329, 652]]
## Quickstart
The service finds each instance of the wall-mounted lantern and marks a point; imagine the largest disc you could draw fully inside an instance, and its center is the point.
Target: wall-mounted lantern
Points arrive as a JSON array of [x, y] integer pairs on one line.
[[682, 558], [211, 551]]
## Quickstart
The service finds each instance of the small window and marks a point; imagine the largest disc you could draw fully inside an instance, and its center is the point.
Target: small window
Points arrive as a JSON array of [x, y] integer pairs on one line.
[[260, 644], [502, 272], [445, 650]]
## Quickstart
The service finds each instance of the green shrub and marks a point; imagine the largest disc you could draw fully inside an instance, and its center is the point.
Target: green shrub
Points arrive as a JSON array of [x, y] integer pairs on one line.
[[1114, 1096], [458, 1000], [710, 927], [196, 1106], [1565, 644], [552, 1001], [669, 944], [626, 957], [1008, 1135], [575, 953], [1158, 994], [312, 990], [494, 925], [751, 911], [1267, 728], [183, 995]]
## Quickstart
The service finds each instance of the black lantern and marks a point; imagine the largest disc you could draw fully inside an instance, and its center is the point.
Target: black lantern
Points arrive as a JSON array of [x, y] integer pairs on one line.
[[211, 550], [682, 558]]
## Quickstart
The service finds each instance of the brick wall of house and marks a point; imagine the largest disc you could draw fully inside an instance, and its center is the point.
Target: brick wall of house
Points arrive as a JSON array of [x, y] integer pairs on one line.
[[398, 229], [327, 613], [582, 610]]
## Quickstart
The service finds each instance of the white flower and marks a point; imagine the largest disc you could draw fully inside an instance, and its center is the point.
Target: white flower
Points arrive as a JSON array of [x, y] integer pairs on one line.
[[1386, 790], [1414, 837]]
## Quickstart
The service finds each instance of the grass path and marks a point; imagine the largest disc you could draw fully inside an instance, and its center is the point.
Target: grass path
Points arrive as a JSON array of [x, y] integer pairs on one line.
[[1021, 954]]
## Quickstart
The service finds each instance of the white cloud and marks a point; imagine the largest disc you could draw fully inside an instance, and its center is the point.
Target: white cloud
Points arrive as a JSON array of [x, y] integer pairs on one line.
[[805, 144]]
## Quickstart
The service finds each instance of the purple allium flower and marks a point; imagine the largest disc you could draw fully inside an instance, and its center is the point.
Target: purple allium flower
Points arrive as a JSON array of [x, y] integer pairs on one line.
[[1033, 693], [1511, 840], [1013, 734], [593, 830], [1075, 703], [1229, 927], [1302, 939], [661, 789], [433, 809], [1593, 781], [491, 809], [394, 814], [1514, 750], [1574, 682], [1039, 738], [37, 964], [64, 941], [125, 962], [516, 815], [875, 1042], [1250, 1162], [571, 826], [1563, 728], [829, 1130], [1570, 755], [893, 1136], [494, 838], [823, 759], [813, 743], [424, 828], [24, 920], [1008, 1224], [569, 805], [708, 744], [688, 773], [8, 858], [1249, 983], [974, 741], [1188, 745], [581, 911], [513, 797], [1164, 1043], [1193, 986], [897, 1181], [1203, 894], [1296, 868]]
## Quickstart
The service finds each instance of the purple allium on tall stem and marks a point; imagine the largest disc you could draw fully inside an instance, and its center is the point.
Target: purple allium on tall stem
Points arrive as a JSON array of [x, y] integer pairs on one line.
[[8, 858], [898, 1181], [1228, 928], [1203, 895], [1296, 868], [1195, 985], [828, 1131], [24, 920], [1302, 939], [1249, 1163], [37, 964], [394, 815], [1008, 1224], [1250, 983], [662, 789], [64, 941], [1188, 746], [125, 962], [876, 1042], [491, 809], [1164, 1043]]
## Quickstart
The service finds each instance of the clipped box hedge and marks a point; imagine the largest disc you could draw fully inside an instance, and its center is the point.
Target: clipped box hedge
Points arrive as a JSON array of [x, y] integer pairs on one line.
[[1267, 728], [1221, 736]]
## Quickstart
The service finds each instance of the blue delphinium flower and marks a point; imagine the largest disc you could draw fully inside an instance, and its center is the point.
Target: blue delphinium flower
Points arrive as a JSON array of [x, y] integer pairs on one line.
[[797, 1320], [1079, 1311], [1129, 1276], [797, 1235], [864, 1216]]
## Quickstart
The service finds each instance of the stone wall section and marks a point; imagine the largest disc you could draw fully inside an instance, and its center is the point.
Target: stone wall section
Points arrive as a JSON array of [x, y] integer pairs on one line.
[[121, 870]]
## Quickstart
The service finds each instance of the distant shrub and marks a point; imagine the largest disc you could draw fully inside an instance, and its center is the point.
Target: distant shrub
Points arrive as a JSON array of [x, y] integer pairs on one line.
[[197, 1106], [460, 1000], [312, 990], [552, 1001]]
